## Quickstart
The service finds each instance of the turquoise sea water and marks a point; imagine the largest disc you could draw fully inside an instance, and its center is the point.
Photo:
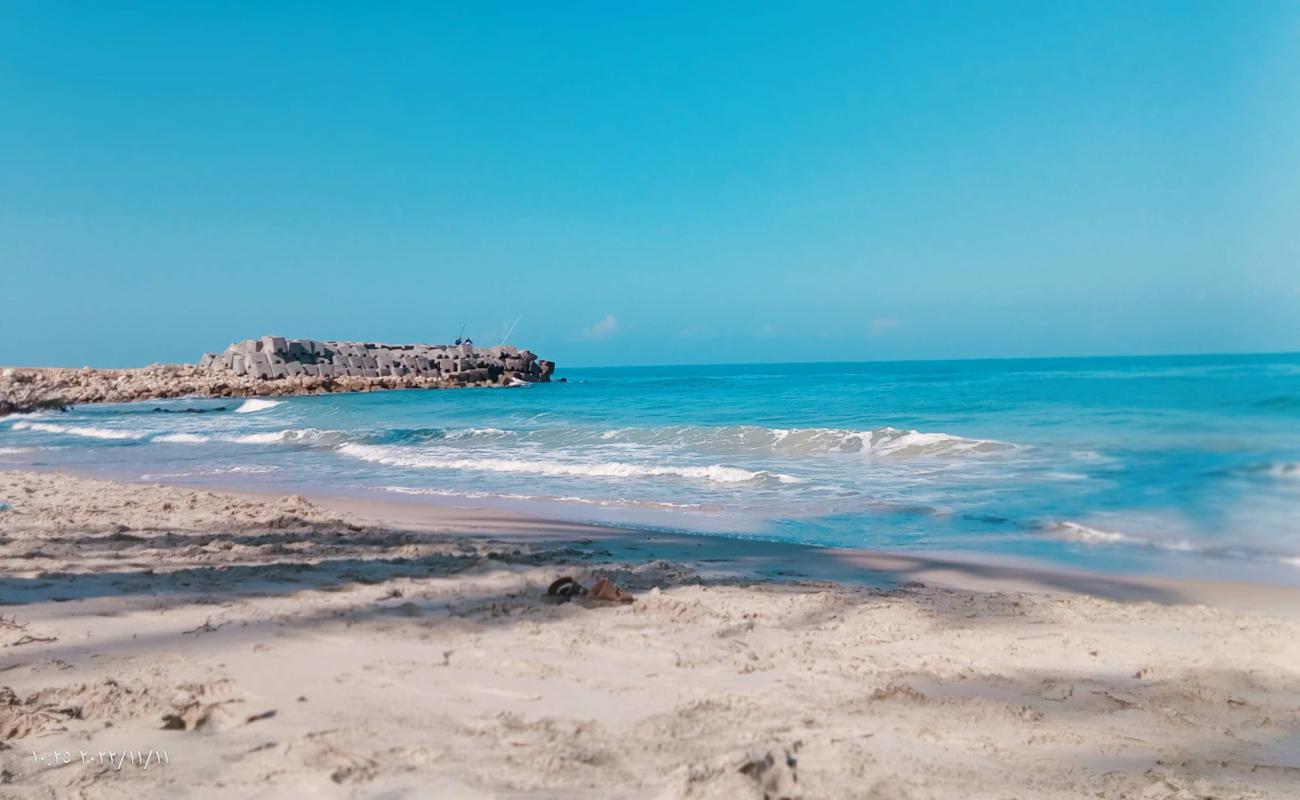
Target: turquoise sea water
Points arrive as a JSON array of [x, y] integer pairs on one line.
[[1183, 465]]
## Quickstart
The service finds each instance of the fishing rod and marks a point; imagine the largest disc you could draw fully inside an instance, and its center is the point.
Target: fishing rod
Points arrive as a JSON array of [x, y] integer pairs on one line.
[[509, 331]]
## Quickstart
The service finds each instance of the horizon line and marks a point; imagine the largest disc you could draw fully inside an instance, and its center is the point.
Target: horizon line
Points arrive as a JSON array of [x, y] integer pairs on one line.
[[561, 365]]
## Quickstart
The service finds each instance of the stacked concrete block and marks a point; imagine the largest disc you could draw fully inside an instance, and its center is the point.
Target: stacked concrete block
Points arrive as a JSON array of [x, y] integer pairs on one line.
[[275, 358]]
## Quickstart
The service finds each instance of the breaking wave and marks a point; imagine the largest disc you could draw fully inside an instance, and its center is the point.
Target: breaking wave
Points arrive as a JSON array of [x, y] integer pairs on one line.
[[257, 404], [417, 435], [87, 431], [182, 438], [1085, 534], [716, 473], [241, 469], [1287, 470], [302, 436], [741, 439]]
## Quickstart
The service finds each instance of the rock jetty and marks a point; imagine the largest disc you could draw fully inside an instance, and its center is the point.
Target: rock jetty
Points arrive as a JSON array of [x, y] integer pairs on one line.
[[275, 366], [274, 358]]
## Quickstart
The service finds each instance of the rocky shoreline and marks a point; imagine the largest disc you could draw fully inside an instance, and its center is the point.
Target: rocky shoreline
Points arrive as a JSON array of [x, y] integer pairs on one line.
[[27, 389]]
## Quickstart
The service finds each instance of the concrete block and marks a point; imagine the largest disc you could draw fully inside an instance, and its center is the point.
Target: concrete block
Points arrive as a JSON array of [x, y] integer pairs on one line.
[[257, 358], [370, 373], [293, 368], [274, 344]]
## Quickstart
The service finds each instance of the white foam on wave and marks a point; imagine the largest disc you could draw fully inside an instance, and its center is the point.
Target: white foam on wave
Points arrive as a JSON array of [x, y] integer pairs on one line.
[[716, 473], [1286, 470], [242, 469], [885, 442], [895, 442], [79, 430], [17, 451], [1073, 531], [1085, 534], [181, 438], [288, 436], [474, 433], [257, 404], [1064, 476]]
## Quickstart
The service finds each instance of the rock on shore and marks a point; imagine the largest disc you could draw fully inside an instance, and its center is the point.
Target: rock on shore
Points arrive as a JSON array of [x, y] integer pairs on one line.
[[274, 366]]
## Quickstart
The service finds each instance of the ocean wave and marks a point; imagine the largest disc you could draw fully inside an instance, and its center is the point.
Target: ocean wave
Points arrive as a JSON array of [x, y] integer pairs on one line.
[[739, 439], [475, 433], [895, 442], [1086, 534], [242, 469], [290, 436], [1287, 470], [307, 436], [79, 430], [420, 435], [257, 404], [1058, 475], [1281, 402], [716, 473], [616, 502], [181, 438], [17, 451]]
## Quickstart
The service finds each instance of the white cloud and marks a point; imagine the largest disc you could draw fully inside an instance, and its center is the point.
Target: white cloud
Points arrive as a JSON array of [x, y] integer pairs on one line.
[[604, 329], [881, 325]]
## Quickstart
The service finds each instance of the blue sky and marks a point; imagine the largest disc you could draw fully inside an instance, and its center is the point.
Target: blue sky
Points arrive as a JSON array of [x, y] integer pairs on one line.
[[651, 182]]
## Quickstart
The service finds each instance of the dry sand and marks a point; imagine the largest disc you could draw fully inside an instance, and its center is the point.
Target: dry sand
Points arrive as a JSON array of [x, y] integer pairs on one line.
[[280, 647]]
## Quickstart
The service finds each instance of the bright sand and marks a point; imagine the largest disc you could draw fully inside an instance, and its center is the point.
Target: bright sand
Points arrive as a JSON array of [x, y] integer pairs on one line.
[[280, 647]]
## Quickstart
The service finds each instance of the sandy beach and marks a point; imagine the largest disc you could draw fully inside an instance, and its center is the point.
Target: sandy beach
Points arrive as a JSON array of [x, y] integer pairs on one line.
[[161, 641]]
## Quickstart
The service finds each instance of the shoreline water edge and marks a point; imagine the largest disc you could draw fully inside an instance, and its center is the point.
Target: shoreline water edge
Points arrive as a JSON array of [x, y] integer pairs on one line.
[[1179, 466]]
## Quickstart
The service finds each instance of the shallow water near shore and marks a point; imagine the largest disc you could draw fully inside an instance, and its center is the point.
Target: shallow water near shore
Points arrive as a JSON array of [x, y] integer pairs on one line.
[[1173, 465]]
